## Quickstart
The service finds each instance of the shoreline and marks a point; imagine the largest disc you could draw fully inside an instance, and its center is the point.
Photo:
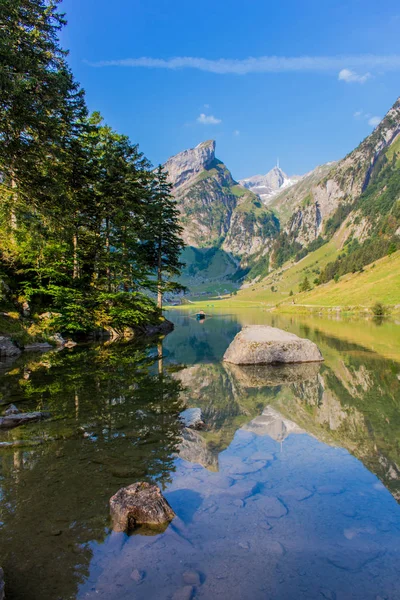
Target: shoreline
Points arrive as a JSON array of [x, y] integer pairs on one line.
[[293, 309]]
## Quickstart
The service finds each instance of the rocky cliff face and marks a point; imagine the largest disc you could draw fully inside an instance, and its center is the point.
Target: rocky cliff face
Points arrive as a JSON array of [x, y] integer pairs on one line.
[[186, 165], [269, 185], [216, 211], [306, 206]]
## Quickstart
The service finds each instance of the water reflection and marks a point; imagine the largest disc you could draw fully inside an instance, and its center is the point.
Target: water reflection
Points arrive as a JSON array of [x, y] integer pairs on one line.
[[269, 501], [114, 421], [352, 400]]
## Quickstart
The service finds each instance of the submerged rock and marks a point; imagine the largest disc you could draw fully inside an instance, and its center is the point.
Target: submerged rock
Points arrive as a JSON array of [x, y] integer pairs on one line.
[[192, 577], [14, 420], [139, 504], [261, 345], [137, 575], [192, 418], [7, 347], [184, 593]]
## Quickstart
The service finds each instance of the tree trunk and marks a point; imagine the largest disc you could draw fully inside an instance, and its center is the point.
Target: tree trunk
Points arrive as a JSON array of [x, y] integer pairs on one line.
[[160, 358], [76, 405], [108, 271], [13, 218], [125, 265], [159, 279], [75, 246]]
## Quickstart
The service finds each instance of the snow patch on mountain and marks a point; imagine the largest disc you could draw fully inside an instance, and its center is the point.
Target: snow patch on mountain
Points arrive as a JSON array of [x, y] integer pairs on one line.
[[269, 185]]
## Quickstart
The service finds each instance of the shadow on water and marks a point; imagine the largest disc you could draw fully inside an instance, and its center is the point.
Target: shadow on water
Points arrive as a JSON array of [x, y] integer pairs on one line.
[[263, 510]]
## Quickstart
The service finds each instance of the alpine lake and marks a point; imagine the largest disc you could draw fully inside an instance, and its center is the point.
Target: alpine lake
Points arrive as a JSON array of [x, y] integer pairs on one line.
[[289, 492]]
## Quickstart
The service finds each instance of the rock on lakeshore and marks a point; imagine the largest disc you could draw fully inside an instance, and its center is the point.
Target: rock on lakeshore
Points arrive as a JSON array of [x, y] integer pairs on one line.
[[261, 345], [162, 328], [11, 420], [7, 347], [139, 504]]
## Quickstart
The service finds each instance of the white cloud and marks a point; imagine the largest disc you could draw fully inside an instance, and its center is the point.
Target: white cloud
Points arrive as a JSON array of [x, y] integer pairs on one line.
[[350, 76], [206, 106], [236, 132], [374, 121], [264, 64], [208, 119]]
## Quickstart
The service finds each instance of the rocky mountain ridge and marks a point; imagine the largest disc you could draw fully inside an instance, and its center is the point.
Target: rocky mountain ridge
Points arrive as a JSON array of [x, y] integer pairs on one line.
[[317, 196], [185, 166], [218, 213]]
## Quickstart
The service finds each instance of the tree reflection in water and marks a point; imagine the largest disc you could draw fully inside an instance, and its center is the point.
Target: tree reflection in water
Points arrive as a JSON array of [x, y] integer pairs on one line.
[[114, 421]]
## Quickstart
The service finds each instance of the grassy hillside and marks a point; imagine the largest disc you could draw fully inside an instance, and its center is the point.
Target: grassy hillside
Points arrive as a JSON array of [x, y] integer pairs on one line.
[[277, 286], [379, 282], [344, 218]]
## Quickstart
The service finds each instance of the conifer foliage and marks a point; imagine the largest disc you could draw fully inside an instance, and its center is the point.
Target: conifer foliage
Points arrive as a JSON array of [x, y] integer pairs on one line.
[[87, 229]]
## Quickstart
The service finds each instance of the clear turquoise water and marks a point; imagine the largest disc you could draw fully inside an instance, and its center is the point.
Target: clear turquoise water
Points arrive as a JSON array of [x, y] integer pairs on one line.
[[289, 492]]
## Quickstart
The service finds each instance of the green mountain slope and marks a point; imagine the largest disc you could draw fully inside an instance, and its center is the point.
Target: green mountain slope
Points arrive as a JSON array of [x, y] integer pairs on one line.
[[335, 221], [226, 226]]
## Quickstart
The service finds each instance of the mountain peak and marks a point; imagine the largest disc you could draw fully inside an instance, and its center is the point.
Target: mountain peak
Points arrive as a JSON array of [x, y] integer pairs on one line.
[[207, 144], [184, 166], [268, 185]]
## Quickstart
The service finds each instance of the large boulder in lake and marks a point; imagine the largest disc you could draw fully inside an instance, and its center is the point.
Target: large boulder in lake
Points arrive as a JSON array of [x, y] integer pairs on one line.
[[261, 345], [139, 504]]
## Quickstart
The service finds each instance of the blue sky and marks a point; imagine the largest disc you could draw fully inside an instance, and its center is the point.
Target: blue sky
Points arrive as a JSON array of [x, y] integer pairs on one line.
[[172, 73]]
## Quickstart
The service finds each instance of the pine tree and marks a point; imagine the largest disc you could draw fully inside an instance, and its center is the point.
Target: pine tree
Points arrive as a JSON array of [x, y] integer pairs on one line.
[[305, 285], [84, 223], [164, 245], [39, 98]]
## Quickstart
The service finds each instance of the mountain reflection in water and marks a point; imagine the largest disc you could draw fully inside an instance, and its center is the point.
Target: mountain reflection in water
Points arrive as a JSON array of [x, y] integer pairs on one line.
[[270, 498]]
